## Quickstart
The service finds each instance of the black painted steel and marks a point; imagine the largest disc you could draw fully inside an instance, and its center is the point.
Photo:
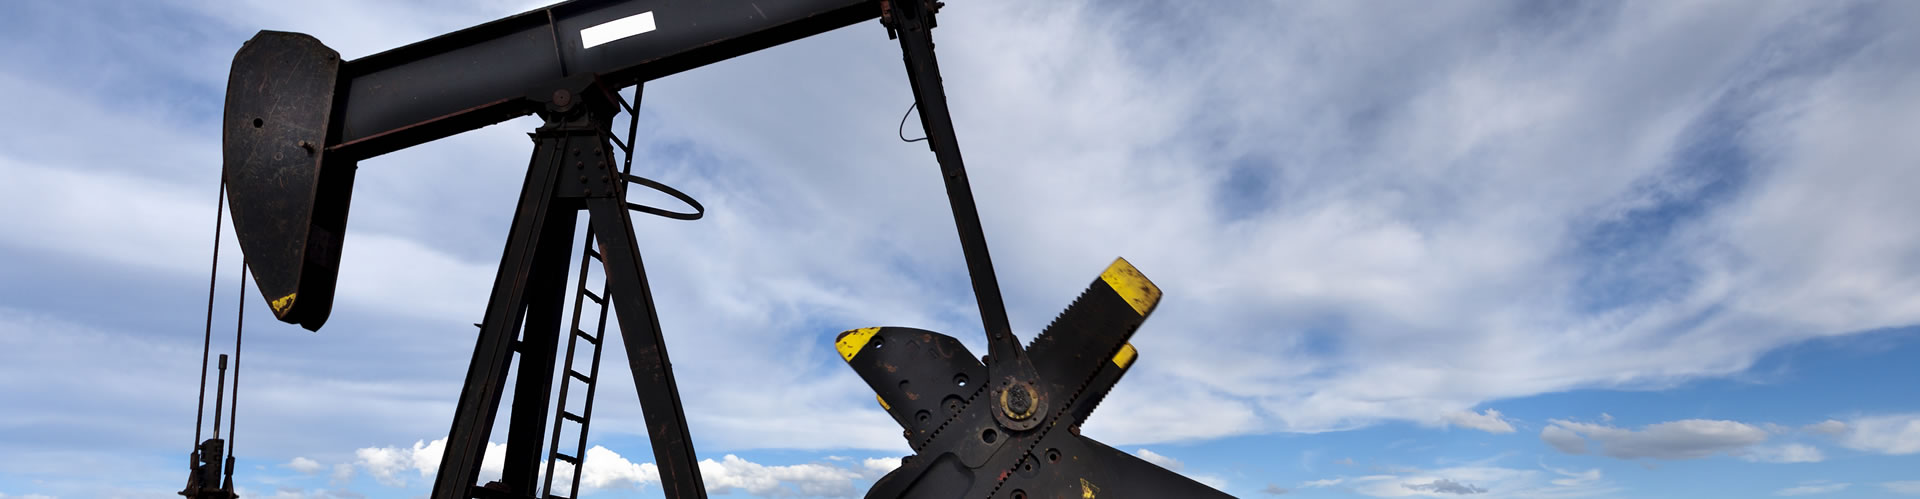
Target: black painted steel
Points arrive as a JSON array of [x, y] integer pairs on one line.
[[480, 75], [544, 302], [646, 349], [965, 451], [279, 103], [493, 350], [1008, 367], [926, 379], [298, 119]]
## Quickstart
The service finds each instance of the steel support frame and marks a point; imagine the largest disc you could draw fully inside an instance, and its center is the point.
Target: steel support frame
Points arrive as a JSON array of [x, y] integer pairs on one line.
[[530, 286]]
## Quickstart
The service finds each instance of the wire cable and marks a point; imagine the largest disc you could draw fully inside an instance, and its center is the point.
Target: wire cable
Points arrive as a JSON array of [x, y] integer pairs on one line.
[[239, 333], [206, 345], [902, 130]]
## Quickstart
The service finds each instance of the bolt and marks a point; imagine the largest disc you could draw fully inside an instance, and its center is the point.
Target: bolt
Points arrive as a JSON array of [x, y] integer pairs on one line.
[[583, 179], [1019, 402], [562, 98]]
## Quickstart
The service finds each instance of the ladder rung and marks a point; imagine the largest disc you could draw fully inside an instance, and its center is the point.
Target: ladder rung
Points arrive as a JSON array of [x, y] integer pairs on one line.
[[596, 298], [575, 417], [623, 146], [583, 378], [593, 253], [567, 458], [584, 335]]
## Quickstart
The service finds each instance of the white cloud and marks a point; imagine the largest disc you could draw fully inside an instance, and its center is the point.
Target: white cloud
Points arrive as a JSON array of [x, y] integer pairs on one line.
[[1324, 482], [299, 493], [1445, 486], [1488, 421], [1789, 453], [304, 465], [1563, 439], [387, 464], [1683, 439], [1476, 480], [1169, 463], [1829, 427], [1811, 488], [608, 470], [342, 475], [873, 468], [1573, 478], [731, 473], [28, 496], [1908, 487], [1897, 434]]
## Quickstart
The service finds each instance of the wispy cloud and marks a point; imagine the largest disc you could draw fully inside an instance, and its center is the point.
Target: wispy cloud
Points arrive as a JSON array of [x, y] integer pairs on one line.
[[1813, 488], [1488, 421], [1908, 487], [1493, 481], [1897, 434], [1789, 453], [1683, 439]]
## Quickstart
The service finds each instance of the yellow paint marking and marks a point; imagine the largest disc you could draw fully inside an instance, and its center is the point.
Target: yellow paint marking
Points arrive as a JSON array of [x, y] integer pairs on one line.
[[1132, 285], [1126, 355], [852, 341], [280, 305], [1087, 489], [883, 402]]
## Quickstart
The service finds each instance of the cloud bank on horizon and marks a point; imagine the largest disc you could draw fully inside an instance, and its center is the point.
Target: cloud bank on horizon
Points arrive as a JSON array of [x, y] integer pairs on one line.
[[1447, 233]]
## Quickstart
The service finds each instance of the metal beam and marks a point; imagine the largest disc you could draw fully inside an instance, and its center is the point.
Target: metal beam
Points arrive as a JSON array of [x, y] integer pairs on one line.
[[479, 76], [298, 120], [545, 298], [493, 350], [646, 349]]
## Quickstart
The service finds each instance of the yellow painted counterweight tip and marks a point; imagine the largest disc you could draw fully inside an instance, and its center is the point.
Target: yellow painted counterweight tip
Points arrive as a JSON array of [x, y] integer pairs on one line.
[[1132, 285], [1126, 355], [280, 304], [851, 341]]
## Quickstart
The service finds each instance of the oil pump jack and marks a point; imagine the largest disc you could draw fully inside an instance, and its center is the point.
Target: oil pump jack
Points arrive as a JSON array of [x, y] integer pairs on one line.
[[298, 120]]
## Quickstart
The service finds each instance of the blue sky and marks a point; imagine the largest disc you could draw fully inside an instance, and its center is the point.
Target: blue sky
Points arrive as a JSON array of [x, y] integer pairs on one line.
[[1480, 249]]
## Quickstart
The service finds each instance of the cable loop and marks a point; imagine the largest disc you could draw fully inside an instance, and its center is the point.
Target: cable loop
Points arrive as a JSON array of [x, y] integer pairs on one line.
[[698, 211], [902, 131]]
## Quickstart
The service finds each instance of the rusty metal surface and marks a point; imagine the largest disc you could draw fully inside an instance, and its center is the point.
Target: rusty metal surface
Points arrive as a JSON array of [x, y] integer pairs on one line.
[[279, 103], [971, 454], [927, 379], [298, 119]]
